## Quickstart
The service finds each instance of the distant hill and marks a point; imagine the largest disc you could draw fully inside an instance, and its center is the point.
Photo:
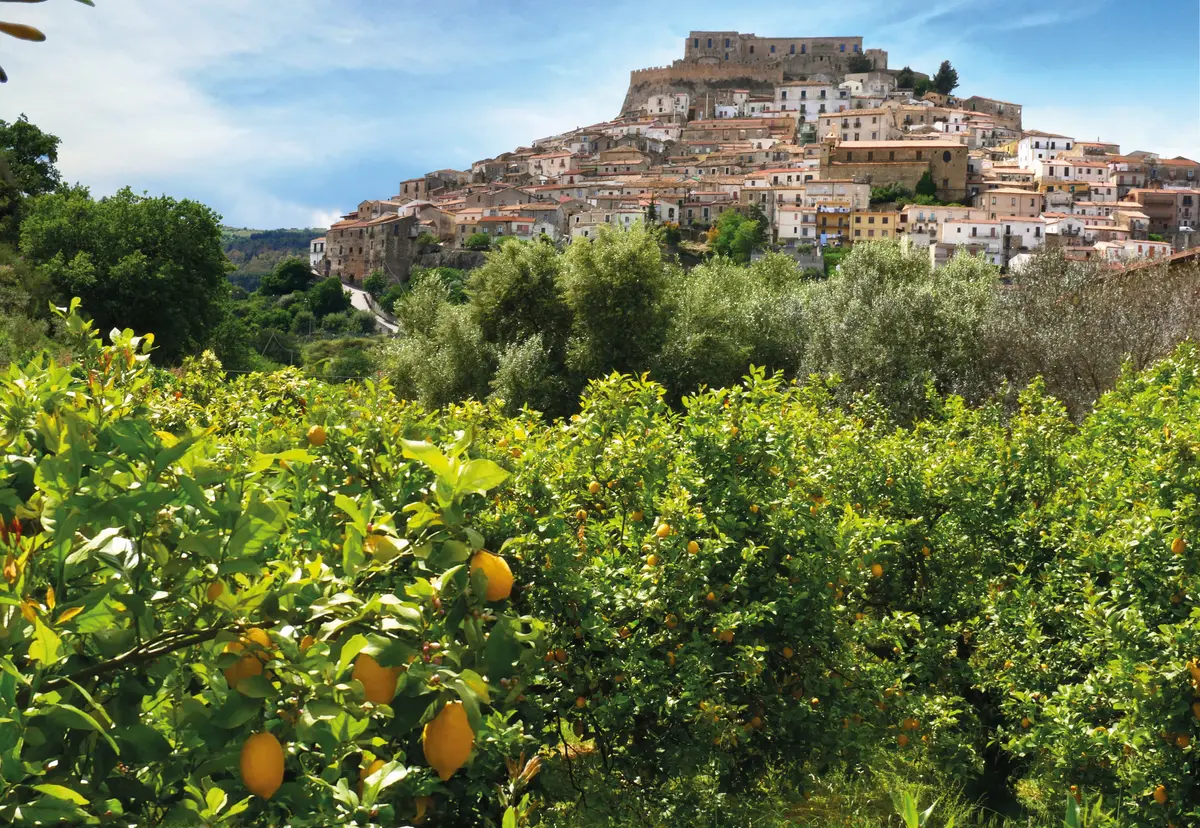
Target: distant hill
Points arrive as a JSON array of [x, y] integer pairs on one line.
[[256, 252]]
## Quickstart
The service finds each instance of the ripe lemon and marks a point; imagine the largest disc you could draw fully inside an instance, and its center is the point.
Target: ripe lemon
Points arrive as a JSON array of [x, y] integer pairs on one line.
[[594, 487], [317, 436], [1179, 546], [638, 516], [581, 515], [902, 740], [422, 804], [379, 683], [711, 596], [788, 652], [1183, 740], [215, 590], [448, 740], [672, 622], [726, 636], [580, 702], [662, 531], [1025, 723], [756, 723], [671, 659], [250, 664], [499, 576], [262, 764], [693, 547], [733, 431], [1160, 795], [307, 642], [652, 560], [754, 508], [876, 571]]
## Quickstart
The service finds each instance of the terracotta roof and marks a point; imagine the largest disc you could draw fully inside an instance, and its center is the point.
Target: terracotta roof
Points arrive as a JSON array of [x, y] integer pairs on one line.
[[507, 219]]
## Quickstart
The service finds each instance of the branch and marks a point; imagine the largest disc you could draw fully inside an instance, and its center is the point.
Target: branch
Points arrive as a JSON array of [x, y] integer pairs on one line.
[[165, 644]]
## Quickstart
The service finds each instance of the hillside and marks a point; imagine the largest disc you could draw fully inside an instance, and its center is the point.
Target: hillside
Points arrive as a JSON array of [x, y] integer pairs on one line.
[[256, 252]]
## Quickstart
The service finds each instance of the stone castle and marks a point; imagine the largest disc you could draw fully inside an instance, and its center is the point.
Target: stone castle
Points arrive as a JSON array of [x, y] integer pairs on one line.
[[717, 62]]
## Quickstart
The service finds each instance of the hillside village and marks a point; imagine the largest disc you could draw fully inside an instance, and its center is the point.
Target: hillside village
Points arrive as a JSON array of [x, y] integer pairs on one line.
[[820, 135]]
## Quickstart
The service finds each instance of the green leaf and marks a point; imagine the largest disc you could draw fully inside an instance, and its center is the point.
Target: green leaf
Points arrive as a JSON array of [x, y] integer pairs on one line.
[[45, 646], [72, 717], [430, 456], [351, 509], [510, 817], [215, 799], [479, 476], [470, 702], [61, 792], [350, 650], [256, 687]]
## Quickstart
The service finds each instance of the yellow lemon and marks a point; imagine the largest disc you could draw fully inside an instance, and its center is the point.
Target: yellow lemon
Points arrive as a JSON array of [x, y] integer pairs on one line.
[[448, 740], [499, 576]]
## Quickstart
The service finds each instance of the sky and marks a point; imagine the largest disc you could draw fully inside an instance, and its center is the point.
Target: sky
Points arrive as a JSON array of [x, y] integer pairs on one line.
[[288, 113]]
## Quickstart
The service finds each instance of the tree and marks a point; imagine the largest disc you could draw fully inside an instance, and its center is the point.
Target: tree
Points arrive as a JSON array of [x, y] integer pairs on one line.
[[149, 264], [514, 296], [289, 276], [926, 185], [327, 297], [478, 241], [887, 322], [946, 79], [890, 193], [737, 235], [905, 78], [921, 86], [859, 63], [375, 284], [30, 155], [614, 285]]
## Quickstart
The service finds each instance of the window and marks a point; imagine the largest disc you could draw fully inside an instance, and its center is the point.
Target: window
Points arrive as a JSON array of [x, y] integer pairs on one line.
[[874, 135], [870, 219], [751, 50], [726, 43], [783, 95], [849, 156], [803, 94], [1031, 202], [891, 155], [845, 136], [885, 218], [870, 155], [874, 119], [727, 55], [772, 50], [857, 232], [822, 108], [1014, 201], [842, 47], [946, 156], [945, 183], [710, 43], [858, 219], [803, 48], [793, 49], [919, 154], [696, 43]]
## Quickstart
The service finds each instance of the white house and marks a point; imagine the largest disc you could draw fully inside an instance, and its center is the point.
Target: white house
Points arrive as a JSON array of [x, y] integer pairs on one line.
[[1024, 233], [810, 99], [670, 103], [1131, 250], [1072, 169], [316, 253], [975, 235], [1038, 146]]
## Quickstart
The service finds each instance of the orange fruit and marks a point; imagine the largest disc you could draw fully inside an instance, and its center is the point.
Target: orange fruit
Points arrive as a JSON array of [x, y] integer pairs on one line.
[[1025, 723], [652, 560], [902, 740], [726, 636], [638, 516], [693, 547], [364, 772], [1160, 795], [215, 590], [250, 664], [379, 683], [671, 659], [754, 508], [422, 804], [662, 531], [317, 436], [307, 642], [788, 652], [580, 702], [448, 740], [756, 723], [711, 596], [499, 576], [1183, 741], [581, 514], [733, 431], [1179, 546], [560, 655], [261, 764], [672, 622], [594, 487], [876, 571]]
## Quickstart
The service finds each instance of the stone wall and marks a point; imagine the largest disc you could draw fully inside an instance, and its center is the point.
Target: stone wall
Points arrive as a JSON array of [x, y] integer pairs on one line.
[[698, 79]]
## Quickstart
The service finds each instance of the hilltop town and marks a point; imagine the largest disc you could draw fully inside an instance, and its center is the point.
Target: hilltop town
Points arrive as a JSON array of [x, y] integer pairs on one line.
[[819, 138]]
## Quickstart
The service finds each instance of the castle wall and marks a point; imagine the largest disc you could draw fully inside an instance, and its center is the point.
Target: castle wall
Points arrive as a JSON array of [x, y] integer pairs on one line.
[[699, 79]]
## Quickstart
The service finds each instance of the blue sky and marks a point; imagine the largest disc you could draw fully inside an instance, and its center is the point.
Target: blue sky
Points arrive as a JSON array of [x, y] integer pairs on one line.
[[289, 112]]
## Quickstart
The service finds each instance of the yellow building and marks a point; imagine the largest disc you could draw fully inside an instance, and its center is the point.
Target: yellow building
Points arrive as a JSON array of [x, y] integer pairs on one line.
[[870, 225]]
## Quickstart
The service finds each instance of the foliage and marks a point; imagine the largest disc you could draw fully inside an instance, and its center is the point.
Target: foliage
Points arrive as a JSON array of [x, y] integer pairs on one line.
[[328, 296], [257, 252], [945, 80], [926, 186], [890, 193], [859, 63], [613, 285], [375, 283], [454, 280], [478, 241], [150, 263], [736, 236], [888, 323], [906, 78], [137, 557], [1154, 236], [289, 276], [29, 155]]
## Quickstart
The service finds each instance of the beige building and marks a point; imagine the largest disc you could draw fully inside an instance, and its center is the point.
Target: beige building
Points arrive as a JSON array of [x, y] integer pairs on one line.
[[880, 163], [1010, 201]]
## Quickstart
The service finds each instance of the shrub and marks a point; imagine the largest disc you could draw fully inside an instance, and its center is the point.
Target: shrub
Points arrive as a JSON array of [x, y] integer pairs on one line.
[[478, 241]]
